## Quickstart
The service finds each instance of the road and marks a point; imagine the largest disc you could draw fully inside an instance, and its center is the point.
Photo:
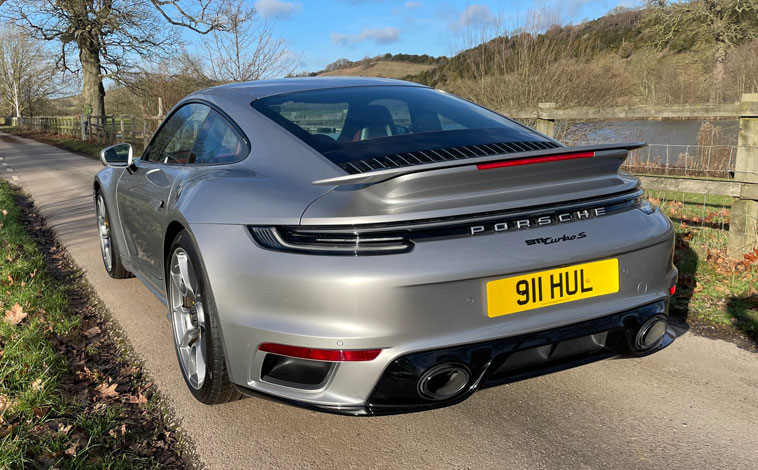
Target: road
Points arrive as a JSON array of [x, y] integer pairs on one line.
[[693, 405]]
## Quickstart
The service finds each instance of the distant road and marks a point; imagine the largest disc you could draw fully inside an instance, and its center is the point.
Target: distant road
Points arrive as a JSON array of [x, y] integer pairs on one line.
[[693, 405]]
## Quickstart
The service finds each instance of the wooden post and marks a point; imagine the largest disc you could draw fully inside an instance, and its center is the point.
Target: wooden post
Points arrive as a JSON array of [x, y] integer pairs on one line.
[[743, 221], [84, 132], [160, 107], [545, 120], [131, 126]]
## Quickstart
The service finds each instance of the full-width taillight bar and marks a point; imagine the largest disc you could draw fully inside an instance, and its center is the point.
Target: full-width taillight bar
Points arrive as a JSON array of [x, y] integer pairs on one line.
[[333, 355], [533, 160]]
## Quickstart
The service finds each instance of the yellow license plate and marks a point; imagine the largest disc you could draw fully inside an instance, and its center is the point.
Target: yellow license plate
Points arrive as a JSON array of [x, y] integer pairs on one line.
[[555, 286]]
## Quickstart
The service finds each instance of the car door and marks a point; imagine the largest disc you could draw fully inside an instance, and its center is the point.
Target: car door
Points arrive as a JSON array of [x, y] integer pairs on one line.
[[143, 192]]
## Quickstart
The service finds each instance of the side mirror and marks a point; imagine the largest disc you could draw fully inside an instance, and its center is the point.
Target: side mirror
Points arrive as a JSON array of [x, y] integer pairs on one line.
[[119, 155]]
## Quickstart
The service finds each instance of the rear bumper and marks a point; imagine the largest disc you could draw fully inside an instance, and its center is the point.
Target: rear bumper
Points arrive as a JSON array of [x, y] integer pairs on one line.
[[432, 298], [504, 360]]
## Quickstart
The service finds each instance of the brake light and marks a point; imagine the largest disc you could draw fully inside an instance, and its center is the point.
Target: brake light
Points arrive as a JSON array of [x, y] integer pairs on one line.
[[533, 160], [316, 242], [672, 290], [333, 355]]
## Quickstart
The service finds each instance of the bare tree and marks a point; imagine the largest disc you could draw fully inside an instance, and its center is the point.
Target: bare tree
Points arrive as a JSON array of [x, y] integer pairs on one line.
[[723, 23], [26, 71], [245, 50], [111, 36]]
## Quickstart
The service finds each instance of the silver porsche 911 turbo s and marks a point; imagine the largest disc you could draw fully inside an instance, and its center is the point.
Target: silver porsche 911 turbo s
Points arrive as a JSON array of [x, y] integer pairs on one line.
[[372, 246]]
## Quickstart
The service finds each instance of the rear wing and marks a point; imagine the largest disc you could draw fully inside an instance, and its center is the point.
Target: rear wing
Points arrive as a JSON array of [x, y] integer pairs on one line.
[[487, 162]]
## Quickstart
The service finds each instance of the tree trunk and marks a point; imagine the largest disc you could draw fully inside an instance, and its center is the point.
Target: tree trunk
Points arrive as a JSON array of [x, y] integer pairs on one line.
[[719, 58], [93, 91], [16, 100]]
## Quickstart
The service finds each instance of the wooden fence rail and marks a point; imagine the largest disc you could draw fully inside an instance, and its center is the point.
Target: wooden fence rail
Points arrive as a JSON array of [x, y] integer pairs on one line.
[[106, 130]]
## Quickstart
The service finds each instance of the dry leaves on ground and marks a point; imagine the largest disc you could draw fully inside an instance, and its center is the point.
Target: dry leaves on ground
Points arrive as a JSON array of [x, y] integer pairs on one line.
[[107, 391], [15, 315]]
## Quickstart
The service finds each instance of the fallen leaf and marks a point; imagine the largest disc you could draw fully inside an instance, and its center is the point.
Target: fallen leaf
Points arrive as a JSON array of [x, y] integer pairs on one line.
[[63, 429], [10, 280], [5, 430], [92, 332], [107, 391], [5, 212], [37, 385], [71, 451], [82, 372], [15, 315], [6, 402], [40, 411], [138, 399]]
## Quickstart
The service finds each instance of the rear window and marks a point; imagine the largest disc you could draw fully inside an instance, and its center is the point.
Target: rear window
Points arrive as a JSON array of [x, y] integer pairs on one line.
[[355, 123]]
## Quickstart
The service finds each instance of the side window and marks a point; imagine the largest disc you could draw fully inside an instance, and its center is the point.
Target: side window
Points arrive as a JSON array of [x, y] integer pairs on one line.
[[174, 141], [218, 142]]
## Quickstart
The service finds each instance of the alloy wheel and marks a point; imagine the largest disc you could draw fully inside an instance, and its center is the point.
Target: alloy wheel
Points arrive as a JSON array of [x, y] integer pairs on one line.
[[187, 318], [104, 229]]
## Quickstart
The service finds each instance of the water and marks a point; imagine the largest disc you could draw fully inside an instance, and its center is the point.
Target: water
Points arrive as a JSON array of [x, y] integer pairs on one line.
[[673, 146], [668, 132]]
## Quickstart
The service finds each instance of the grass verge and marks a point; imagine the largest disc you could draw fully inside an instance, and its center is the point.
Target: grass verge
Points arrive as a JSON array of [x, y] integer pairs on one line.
[[71, 394], [717, 296], [87, 148]]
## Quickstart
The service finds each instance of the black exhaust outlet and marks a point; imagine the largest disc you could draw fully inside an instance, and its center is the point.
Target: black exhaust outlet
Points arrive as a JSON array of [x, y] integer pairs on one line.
[[651, 333], [444, 381]]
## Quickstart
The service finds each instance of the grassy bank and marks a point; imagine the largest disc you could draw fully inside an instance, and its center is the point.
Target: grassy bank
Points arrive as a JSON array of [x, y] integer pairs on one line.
[[70, 397], [716, 295]]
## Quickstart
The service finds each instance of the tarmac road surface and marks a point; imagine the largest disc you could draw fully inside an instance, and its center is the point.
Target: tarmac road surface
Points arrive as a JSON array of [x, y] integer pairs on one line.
[[693, 405]]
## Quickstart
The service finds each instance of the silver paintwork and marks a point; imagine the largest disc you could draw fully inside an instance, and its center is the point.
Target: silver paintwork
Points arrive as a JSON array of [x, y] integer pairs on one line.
[[431, 297]]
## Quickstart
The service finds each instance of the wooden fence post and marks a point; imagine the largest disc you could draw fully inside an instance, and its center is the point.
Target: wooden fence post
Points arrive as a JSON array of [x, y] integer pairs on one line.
[[131, 129], [743, 221], [545, 121]]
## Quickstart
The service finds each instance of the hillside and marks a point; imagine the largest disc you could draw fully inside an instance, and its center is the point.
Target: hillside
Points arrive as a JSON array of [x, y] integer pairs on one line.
[[670, 54], [381, 68]]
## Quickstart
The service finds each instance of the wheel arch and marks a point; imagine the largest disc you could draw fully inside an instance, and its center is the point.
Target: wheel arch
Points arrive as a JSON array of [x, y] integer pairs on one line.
[[172, 231]]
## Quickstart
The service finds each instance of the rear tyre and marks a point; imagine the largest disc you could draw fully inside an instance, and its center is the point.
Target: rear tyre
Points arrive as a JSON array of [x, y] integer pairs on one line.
[[195, 324], [108, 247]]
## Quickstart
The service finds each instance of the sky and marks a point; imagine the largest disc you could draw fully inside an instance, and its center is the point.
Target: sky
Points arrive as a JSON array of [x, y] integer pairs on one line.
[[322, 31]]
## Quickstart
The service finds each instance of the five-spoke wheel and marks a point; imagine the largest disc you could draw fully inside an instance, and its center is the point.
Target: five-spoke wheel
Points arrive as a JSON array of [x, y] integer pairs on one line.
[[108, 248], [195, 325], [188, 318]]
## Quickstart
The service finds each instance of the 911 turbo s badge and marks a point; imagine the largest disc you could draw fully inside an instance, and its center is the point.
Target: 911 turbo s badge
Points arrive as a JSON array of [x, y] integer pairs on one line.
[[551, 240], [557, 218]]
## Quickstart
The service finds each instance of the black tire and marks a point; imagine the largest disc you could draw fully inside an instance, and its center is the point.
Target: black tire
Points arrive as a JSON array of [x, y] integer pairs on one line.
[[116, 269], [216, 387]]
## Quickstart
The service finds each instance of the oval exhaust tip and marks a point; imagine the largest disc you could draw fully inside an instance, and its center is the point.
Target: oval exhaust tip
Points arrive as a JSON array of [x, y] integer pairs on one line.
[[651, 333], [443, 381]]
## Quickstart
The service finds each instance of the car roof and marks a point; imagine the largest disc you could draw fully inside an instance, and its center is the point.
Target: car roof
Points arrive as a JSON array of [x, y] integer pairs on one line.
[[263, 88]]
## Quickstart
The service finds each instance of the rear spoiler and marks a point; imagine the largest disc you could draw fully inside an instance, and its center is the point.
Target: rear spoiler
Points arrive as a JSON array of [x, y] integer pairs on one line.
[[378, 176]]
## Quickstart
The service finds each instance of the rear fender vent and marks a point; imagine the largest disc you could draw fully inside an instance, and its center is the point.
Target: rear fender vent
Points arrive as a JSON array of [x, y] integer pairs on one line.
[[422, 157]]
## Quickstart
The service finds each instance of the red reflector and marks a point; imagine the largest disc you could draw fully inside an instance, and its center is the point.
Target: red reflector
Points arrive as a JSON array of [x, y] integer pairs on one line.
[[533, 160], [672, 290], [334, 355]]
